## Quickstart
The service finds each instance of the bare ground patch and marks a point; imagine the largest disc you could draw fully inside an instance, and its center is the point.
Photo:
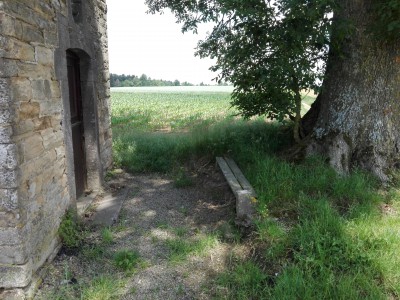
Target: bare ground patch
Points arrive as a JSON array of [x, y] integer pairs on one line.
[[184, 236]]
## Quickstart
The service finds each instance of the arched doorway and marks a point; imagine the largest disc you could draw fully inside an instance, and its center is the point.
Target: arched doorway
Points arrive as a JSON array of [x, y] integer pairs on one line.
[[77, 126]]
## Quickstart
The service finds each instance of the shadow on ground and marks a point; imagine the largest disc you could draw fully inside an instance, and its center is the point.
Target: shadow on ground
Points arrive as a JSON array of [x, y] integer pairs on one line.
[[185, 237]]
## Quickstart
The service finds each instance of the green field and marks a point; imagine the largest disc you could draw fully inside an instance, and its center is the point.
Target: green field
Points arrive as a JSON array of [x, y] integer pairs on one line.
[[169, 110], [174, 108]]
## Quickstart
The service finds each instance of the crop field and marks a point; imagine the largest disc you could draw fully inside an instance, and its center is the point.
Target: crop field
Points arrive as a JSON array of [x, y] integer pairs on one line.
[[174, 108], [168, 110]]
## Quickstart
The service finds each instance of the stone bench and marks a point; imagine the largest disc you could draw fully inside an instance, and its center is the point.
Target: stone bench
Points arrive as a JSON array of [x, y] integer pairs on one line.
[[242, 189]]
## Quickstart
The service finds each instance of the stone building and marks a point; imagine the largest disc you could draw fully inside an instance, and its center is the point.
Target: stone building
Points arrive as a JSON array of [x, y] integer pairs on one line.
[[55, 136]]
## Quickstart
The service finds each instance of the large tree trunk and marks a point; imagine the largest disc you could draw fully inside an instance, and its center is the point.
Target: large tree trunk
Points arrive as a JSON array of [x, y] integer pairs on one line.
[[358, 122]]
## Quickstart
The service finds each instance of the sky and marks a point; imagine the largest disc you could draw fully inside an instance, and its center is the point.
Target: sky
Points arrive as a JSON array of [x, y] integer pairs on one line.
[[141, 43]]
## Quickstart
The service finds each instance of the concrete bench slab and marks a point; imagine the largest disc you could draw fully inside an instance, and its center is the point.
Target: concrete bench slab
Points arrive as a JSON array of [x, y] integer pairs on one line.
[[242, 189]]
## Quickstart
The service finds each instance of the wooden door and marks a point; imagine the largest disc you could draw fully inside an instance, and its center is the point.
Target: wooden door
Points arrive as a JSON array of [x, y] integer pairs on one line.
[[78, 140]]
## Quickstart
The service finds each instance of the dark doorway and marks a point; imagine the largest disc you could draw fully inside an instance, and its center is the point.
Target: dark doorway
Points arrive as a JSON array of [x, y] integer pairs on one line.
[[76, 109]]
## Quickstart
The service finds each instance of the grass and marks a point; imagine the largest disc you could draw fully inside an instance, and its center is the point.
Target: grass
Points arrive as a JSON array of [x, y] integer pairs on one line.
[[181, 247], [183, 243], [107, 236], [319, 235], [139, 151], [245, 281], [102, 288], [324, 236], [128, 260]]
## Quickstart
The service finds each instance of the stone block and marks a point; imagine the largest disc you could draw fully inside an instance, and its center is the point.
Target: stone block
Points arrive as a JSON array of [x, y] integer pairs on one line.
[[56, 122], [22, 11], [32, 147], [52, 138], [4, 93], [16, 49], [14, 276], [23, 126], [8, 68], [55, 89], [51, 38], [8, 179], [43, 123], [50, 108], [9, 218], [45, 56], [13, 255], [5, 134], [33, 70], [21, 89], [13, 294], [8, 199], [45, 162], [44, 22], [8, 157], [46, 7], [7, 24], [10, 237], [29, 33], [41, 90], [27, 170], [28, 110], [19, 32]]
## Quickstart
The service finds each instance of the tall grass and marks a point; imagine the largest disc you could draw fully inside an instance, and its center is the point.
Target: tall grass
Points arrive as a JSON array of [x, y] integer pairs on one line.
[[140, 151], [319, 235], [323, 236]]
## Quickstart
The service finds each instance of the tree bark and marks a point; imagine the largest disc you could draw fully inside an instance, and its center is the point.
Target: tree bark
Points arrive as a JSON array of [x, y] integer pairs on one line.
[[310, 118], [358, 121], [297, 121]]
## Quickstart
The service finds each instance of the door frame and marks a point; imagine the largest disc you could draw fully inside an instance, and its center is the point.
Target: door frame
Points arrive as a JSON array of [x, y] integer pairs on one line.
[[94, 170]]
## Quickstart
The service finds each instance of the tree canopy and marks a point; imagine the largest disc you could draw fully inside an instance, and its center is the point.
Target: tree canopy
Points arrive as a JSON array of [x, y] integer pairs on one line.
[[269, 50]]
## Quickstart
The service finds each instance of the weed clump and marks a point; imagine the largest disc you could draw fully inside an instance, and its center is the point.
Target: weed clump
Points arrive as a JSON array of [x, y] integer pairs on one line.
[[128, 260], [70, 231], [107, 236]]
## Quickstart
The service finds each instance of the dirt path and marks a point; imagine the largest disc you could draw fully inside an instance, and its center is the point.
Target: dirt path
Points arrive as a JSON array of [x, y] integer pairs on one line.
[[184, 236]]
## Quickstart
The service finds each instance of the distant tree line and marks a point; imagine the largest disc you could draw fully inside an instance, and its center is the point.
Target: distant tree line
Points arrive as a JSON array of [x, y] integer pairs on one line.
[[144, 80]]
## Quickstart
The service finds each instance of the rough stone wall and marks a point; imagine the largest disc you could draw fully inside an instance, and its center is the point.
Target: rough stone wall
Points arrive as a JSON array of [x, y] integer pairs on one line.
[[36, 172], [104, 104]]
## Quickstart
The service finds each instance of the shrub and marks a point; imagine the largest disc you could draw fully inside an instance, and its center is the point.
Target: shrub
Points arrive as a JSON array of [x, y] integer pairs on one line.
[[70, 231]]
